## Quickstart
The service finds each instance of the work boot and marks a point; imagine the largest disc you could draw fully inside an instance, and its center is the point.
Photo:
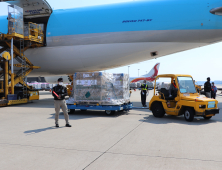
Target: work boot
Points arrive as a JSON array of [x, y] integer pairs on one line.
[[68, 125], [57, 125]]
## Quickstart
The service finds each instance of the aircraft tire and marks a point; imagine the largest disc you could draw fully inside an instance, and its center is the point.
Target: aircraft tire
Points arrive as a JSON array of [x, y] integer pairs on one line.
[[158, 110]]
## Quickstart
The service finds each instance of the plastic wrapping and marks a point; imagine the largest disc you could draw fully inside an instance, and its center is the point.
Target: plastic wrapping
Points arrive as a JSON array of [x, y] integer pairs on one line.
[[15, 20], [101, 88]]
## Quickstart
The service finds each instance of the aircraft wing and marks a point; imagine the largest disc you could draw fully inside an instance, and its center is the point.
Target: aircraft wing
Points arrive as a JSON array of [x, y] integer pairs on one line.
[[32, 8]]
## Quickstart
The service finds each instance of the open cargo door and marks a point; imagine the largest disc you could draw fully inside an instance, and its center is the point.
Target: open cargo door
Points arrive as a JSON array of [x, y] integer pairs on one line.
[[35, 11], [32, 8]]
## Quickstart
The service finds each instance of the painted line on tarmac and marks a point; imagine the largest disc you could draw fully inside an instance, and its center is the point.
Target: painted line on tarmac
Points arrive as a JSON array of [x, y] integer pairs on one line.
[[114, 144], [166, 157], [48, 147]]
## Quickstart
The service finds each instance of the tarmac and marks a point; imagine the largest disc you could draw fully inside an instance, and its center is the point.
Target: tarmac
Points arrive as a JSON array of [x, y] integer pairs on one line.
[[132, 140]]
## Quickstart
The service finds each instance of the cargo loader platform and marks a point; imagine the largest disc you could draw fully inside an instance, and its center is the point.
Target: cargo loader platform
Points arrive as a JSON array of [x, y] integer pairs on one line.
[[13, 83]]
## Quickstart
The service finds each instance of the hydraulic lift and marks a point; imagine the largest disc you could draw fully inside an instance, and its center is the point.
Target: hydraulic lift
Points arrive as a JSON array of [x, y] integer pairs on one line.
[[20, 37]]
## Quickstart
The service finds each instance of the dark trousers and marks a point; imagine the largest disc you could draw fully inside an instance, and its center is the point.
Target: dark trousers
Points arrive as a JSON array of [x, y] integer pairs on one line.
[[143, 99], [213, 95]]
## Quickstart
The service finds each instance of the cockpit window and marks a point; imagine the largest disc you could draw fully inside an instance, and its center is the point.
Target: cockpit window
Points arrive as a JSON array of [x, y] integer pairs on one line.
[[186, 85]]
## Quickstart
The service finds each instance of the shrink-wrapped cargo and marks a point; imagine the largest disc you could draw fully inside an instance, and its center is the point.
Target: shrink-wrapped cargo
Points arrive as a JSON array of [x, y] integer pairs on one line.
[[121, 86], [100, 88]]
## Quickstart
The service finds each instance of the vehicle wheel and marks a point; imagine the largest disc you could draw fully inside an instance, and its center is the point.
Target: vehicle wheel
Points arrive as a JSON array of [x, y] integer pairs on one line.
[[158, 110], [71, 110], [189, 114], [207, 118], [109, 112]]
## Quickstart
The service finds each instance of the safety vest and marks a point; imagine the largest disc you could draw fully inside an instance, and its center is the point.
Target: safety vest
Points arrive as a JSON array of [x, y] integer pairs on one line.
[[145, 87]]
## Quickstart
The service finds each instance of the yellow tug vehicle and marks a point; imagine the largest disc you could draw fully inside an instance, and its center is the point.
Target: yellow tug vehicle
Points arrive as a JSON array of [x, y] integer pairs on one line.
[[184, 99]]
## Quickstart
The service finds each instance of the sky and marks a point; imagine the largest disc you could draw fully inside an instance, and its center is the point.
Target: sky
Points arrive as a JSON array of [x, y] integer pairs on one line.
[[201, 62]]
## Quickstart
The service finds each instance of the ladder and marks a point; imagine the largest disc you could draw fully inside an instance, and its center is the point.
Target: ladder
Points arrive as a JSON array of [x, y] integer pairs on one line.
[[23, 69]]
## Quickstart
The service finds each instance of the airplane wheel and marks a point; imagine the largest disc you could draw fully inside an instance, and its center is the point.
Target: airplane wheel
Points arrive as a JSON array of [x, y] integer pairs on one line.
[[158, 110], [189, 114]]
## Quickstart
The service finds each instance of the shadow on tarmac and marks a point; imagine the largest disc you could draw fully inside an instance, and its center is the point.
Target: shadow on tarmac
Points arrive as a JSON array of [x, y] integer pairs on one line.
[[31, 132], [88, 114], [180, 120], [177, 119], [139, 104]]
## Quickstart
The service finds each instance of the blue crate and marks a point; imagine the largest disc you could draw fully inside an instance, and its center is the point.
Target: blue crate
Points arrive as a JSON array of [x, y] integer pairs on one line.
[[12, 97]]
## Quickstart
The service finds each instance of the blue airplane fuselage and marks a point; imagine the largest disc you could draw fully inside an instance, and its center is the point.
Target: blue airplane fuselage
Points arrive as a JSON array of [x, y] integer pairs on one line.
[[108, 36]]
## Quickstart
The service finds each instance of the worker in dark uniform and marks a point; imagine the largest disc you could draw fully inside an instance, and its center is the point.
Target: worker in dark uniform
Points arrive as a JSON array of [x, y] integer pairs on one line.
[[172, 88], [144, 90], [207, 88], [59, 92]]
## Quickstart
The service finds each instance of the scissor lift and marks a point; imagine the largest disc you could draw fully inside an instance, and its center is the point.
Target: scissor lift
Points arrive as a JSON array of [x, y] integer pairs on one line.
[[13, 86]]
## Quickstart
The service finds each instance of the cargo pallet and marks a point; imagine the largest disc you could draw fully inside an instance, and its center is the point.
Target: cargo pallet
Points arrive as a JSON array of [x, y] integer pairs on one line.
[[109, 109]]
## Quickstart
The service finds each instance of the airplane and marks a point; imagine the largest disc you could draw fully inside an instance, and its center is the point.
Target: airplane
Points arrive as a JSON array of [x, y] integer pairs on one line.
[[108, 36], [150, 77]]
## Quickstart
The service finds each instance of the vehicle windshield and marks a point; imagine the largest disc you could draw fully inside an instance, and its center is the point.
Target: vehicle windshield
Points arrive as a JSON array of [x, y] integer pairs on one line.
[[186, 85]]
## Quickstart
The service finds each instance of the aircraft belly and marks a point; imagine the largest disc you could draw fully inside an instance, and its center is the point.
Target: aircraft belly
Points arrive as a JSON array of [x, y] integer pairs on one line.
[[61, 60], [184, 36]]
